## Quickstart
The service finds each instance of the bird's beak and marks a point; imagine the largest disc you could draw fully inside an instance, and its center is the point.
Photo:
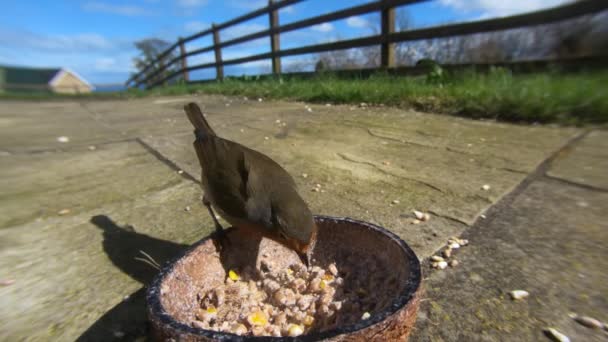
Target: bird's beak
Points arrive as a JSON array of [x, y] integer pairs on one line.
[[305, 257]]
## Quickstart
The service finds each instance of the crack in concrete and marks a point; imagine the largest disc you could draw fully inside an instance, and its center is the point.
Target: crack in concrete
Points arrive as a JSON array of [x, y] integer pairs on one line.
[[448, 217], [539, 172], [446, 148], [166, 161], [577, 184], [414, 180]]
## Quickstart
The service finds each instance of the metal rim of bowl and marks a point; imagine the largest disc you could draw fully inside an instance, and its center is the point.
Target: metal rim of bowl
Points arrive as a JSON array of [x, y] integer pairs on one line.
[[411, 286]]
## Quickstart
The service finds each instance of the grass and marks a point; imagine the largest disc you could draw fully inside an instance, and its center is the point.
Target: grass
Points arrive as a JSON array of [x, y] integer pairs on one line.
[[547, 97]]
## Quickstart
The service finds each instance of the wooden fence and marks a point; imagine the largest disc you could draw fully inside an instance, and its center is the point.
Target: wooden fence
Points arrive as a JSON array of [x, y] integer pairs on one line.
[[161, 70]]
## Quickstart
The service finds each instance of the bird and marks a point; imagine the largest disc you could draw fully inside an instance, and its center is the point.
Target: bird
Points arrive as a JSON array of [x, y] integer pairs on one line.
[[250, 190]]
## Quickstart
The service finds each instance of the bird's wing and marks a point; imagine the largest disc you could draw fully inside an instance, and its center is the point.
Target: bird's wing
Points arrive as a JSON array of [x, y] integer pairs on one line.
[[223, 166], [265, 179]]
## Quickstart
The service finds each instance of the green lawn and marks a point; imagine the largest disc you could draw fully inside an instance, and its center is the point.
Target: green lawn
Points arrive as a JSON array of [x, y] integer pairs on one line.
[[579, 98], [548, 97]]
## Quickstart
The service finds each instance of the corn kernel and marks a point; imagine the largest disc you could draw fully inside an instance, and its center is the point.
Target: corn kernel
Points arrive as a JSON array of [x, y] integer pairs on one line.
[[322, 284], [257, 318], [295, 330], [308, 320], [328, 277], [233, 275], [289, 271], [211, 309], [365, 315]]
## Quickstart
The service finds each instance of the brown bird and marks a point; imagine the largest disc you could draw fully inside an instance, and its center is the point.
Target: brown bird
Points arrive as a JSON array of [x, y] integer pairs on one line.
[[250, 190]]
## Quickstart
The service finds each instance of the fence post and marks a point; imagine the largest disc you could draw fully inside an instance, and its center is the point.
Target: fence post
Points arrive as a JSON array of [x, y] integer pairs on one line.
[[182, 52], [387, 50], [219, 68], [275, 42]]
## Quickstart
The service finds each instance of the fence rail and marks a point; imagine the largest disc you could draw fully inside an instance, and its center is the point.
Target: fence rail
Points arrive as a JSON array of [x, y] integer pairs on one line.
[[386, 39]]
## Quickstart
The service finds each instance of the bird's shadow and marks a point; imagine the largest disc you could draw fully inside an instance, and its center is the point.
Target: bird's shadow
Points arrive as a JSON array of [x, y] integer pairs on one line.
[[127, 321]]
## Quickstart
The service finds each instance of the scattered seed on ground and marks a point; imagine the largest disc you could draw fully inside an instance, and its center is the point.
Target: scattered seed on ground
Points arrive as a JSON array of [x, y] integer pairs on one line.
[[518, 294], [556, 335]]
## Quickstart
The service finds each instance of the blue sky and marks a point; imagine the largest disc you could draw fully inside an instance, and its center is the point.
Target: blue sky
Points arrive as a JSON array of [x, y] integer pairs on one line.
[[95, 38]]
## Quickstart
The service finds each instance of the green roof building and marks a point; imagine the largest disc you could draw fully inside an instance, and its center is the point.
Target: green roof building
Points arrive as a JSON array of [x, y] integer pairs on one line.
[[55, 80]]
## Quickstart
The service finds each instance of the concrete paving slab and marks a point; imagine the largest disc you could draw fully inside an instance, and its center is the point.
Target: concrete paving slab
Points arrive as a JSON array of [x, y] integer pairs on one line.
[[40, 185], [545, 243], [586, 162], [379, 155], [70, 271], [35, 126], [73, 271]]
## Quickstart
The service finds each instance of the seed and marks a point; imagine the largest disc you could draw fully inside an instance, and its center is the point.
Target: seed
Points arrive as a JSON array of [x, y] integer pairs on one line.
[[419, 215], [239, 329], [187, 208], [333, 269], [426, 217], [395, 202], [587, 321], [92, 148], [295, 330], [258, 318], [199, 324], [556, 335], [518, 294], [63, 139], [485, 187], [415, 221], [233, 275], [454, 263], [309, 320], [179, 172], [278, 121], [454, 245], [442, 264], [304, 175], [437, 258], [366, 315], [63, 212], [447, 252], [260, 99], [266, 138]]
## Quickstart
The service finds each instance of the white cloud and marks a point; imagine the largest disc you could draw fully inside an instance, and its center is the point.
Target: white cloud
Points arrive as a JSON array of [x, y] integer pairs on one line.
[[325, 27], [96, 57], [288, 10], [357, 22], [121, 63], [126, 10], [82, 42], [195, 26], [191, 3], [493, 8]]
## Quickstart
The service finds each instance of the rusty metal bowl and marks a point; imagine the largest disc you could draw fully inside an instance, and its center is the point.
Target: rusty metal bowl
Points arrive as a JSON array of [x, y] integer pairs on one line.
[[172, 295]]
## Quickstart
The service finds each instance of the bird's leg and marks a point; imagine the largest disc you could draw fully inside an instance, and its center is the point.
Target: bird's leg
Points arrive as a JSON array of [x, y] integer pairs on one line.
[[219, 230]]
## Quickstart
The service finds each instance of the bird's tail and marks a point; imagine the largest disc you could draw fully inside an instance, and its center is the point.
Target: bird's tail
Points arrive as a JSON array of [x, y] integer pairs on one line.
[[196, 117]]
